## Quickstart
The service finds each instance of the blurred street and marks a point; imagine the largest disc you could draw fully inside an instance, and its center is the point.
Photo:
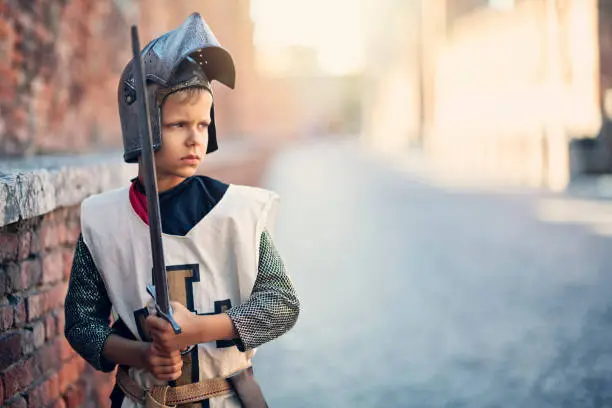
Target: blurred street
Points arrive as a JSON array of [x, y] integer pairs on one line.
[[417, 293]]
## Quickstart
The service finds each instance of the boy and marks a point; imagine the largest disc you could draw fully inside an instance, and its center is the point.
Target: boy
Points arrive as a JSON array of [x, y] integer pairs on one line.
[[228, 284]]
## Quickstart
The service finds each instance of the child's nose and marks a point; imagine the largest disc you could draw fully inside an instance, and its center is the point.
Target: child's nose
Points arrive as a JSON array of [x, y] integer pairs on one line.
[[195, 136]]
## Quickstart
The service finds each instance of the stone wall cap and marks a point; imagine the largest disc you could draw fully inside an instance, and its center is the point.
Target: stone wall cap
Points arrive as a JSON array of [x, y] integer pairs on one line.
[[35, 186]]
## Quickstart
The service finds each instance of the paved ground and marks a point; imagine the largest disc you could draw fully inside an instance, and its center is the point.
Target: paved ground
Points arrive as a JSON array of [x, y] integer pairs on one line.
[[418, 293]]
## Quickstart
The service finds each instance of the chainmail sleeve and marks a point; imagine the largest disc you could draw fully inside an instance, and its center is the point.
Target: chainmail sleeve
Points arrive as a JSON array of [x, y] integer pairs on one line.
[[87, 310], [273, 307]]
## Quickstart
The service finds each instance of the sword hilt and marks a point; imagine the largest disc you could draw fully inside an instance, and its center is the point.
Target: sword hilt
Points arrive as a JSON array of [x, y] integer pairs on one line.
[[167, 316]]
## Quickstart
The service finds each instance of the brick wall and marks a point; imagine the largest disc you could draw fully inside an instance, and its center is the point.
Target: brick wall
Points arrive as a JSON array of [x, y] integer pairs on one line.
[[60, 60], [38, 368]]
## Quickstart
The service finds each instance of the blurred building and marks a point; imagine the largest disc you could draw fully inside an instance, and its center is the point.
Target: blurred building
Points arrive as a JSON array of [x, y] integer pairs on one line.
[[321, 103], [499, 87], [391, 99]]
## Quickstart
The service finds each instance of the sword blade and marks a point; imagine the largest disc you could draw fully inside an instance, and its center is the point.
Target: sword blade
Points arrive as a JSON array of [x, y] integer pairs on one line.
[[150, 179]]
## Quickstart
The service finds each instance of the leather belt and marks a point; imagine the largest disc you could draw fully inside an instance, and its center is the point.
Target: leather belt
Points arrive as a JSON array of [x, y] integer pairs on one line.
[[164, 395]]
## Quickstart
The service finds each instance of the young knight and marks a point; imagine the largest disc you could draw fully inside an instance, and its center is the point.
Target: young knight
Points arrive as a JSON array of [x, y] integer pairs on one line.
[[228, 284]]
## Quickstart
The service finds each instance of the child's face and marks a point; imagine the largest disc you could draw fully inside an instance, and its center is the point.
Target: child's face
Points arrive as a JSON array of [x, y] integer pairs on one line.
[[185, 121]]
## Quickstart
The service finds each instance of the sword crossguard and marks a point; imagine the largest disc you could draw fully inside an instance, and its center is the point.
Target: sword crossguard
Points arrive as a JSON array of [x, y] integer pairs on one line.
[[167, 316]]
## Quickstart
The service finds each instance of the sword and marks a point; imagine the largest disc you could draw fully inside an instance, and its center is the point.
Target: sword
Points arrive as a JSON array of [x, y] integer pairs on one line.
[[159, 289]]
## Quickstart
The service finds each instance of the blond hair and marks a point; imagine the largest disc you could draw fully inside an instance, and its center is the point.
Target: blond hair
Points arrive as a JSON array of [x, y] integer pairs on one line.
[[188, 94]]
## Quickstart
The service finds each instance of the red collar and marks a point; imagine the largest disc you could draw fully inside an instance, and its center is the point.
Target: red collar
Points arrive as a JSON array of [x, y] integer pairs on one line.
[[139, 203]]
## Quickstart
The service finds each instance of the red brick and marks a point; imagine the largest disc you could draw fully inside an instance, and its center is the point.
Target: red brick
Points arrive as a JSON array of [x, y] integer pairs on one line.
[[40, 303], [16, 402], [56, 296], [68, 255], [11, 346], [66, 350], [105, 382], [36, 306], [61, 231], [20, 313], [60, 403], [72, 233], [9, 247], [27, 342], [45, 393], [38, 333], [74, 216], [35, 241], [34, 366], [61, 216], [53, 266], [3, 281], [6, 317], [61, 322], [48, 237], [25, 239], [74, 396], [15, 280], [16, 378], [37, 396], [20, 375], [52, 387], [82, 364], [23, 276], [31, 273], [50, 326], [49, 218], [50, 356], [69, 374], [91, 403]]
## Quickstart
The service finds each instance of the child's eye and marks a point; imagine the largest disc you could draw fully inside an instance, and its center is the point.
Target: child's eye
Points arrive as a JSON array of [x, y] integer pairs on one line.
[[203, 125], [177, 125]]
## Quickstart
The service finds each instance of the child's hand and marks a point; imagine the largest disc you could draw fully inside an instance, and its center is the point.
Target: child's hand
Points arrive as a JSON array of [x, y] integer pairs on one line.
[[163, 335], [163, 365]]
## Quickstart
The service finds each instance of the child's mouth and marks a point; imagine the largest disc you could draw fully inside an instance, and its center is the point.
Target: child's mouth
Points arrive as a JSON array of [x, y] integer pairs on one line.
[[191, 159]]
